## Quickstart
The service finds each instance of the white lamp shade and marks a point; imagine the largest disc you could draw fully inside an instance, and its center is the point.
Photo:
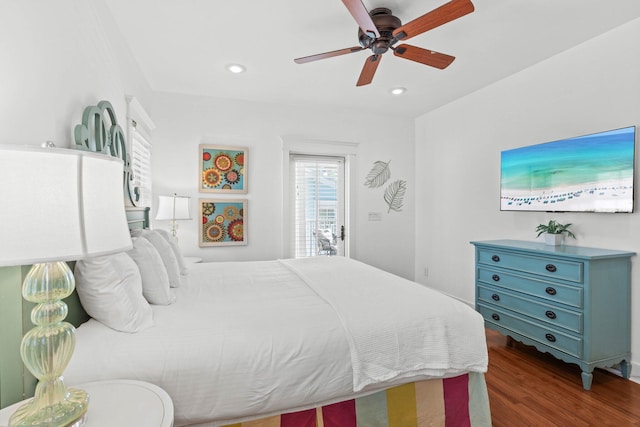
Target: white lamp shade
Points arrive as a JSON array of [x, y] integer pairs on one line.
[[59, 205], [173, 208]]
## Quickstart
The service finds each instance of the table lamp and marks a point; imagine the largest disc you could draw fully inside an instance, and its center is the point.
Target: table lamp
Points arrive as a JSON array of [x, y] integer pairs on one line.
[[57, 205], [173, 208]]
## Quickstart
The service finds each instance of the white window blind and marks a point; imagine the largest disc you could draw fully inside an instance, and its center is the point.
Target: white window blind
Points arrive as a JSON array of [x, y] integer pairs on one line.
[[140, 127], [318, 188], [141, 166]]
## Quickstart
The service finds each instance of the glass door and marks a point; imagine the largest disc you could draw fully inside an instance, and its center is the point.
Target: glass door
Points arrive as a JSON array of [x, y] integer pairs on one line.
[[318, 217]]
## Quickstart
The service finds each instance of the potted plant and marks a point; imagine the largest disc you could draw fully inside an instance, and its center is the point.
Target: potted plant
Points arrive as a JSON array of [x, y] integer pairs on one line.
[[554, 232]]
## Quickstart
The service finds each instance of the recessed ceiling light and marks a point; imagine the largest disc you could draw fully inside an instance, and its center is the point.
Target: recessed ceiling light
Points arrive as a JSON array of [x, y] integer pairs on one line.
[[398, 90], [236, 68]]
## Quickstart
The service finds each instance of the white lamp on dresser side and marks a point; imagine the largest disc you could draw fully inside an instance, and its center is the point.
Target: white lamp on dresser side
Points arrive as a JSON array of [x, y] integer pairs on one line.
[[173, 208]]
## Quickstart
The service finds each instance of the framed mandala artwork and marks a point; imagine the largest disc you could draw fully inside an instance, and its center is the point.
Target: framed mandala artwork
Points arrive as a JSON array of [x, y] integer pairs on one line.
[[223, 169], [223, 222]]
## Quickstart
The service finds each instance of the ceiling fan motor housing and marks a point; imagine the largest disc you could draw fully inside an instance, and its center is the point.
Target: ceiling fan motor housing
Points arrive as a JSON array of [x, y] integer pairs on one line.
[[385, 22]]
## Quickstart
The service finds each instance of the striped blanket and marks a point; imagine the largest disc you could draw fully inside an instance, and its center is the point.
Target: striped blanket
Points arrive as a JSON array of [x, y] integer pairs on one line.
[[453, 402]]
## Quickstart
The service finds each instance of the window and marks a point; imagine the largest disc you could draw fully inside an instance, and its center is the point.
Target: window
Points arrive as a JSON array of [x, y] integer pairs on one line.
[[141, 166], [140, 147]]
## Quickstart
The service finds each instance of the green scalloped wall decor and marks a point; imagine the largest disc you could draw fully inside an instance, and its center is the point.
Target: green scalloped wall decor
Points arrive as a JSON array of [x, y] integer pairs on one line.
[[100, 132]]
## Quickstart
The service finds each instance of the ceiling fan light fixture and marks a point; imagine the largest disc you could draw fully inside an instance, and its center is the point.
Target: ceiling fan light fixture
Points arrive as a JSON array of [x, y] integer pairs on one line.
[[236, 68], [398, 90], [379, 31]]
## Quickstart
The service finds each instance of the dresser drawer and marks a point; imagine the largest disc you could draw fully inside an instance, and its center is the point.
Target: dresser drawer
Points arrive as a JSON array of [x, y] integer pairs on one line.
[[548, 336], [524, 304], [539, 265], [548, 290]]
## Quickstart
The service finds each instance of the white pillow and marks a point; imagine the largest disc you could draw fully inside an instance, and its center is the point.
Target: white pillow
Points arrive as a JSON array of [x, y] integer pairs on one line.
[[173, 242], [137, 232], [155, 280], [110, 290], [166, 253]]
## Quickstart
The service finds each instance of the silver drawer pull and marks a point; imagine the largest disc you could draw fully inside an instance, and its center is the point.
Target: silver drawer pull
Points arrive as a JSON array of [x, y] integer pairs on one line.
[[494, 316], [495, 258], [550, 290], [550, 314], [495, 297], [550, 337], [551, 268]]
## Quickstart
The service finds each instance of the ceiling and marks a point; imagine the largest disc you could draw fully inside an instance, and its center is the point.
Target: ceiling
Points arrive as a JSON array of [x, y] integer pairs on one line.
[[183, 46]]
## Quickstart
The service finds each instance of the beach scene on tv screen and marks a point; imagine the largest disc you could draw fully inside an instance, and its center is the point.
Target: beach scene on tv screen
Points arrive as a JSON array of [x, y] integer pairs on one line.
[[591, 173]]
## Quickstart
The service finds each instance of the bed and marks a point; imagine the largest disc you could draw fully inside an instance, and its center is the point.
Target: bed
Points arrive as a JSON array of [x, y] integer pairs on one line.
[[325, 341], [322, 341]]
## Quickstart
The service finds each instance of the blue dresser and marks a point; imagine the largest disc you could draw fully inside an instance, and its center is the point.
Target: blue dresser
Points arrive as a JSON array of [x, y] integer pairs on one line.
[[569, 301]]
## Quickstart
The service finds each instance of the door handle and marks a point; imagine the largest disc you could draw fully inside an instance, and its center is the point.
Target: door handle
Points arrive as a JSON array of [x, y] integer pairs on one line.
[[342, 233]]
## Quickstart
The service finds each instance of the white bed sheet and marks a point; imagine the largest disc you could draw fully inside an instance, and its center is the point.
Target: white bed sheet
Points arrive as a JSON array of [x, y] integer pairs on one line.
[[415, 330], [253, 338]]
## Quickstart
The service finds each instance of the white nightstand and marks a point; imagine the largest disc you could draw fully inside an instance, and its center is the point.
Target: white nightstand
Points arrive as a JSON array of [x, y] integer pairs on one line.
[[122, 403]]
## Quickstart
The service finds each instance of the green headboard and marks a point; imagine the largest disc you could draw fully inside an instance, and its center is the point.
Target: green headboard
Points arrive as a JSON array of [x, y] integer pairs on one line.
[[14, 322]]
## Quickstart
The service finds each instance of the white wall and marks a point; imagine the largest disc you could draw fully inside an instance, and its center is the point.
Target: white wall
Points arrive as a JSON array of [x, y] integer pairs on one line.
[[183, 122], [590, 88], [57, 58]]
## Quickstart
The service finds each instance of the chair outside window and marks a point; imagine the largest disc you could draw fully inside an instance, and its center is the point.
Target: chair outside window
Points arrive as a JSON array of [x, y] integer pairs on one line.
[[326, 241]]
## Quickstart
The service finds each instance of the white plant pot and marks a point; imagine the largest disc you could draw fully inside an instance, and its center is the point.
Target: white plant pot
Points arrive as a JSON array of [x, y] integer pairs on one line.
[[553, 239]]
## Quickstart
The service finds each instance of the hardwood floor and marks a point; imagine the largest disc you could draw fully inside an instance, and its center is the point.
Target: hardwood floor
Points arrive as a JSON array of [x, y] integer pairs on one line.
[[529, 388]]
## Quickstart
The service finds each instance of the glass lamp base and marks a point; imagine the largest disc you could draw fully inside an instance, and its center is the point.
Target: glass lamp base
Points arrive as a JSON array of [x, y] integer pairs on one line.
[[174, 228], [69, 412], [46, 350]]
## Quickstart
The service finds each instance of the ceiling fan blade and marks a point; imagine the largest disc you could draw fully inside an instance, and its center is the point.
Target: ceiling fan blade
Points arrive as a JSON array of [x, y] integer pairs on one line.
[[445, 13], [331, 54], [424, 56], [362, 17], [369, 69]]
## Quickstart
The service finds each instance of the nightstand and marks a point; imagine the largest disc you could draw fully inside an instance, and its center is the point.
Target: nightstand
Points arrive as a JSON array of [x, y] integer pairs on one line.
[[122, 403]]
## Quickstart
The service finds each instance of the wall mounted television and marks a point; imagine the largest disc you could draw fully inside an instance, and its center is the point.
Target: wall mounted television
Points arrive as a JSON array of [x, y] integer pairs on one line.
[[590, 173]]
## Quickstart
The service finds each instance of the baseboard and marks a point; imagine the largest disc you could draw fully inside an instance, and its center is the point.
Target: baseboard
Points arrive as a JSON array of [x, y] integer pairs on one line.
[[635, 367], [635, 372]]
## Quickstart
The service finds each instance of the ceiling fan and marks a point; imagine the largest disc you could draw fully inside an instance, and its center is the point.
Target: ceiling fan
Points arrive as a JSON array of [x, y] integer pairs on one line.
[[380, 31]]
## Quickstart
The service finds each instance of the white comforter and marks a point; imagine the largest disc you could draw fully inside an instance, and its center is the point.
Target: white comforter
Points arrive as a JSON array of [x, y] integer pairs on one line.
[[255, 338]]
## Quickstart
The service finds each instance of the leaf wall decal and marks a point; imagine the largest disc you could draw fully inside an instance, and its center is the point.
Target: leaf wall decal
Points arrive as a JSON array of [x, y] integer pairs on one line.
[[378, 175], [394, 195]]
